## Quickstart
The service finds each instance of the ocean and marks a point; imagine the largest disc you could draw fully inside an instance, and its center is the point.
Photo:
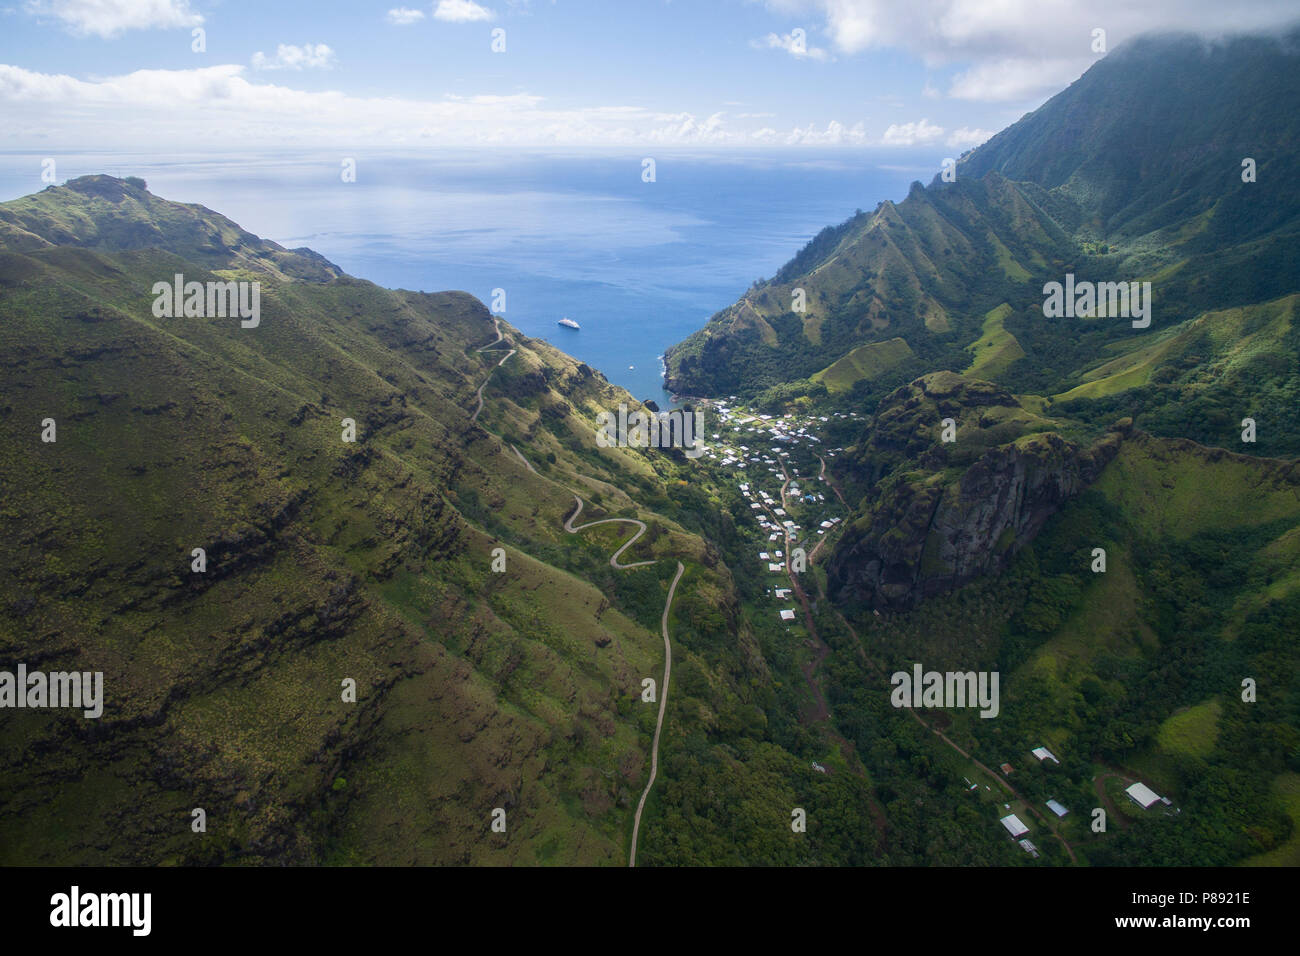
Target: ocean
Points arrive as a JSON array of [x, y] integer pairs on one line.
[[638, 265]]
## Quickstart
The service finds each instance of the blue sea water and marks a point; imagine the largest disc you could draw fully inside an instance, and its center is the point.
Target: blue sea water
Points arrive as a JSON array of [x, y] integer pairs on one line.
[[639, 265]]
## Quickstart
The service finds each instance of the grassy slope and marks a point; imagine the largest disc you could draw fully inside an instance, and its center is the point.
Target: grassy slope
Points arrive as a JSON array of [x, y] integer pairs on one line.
[[326, 561], [1234, 339], [1170, 488], [864, 362], [1193, 731], [996, 348], [1223, 348]]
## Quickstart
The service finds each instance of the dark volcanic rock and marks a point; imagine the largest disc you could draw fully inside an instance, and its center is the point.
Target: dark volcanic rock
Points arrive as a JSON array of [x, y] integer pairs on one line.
[[924, 537]]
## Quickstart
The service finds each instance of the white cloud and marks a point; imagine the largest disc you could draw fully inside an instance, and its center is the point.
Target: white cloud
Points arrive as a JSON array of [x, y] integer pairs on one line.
[[219, 105], [108, 18], [966, 137], [402, 16], [919, 133], [835, 134], [461, 11], [1017, 79], [1019, 37], [946, 28], [290, 57], [795, 43]]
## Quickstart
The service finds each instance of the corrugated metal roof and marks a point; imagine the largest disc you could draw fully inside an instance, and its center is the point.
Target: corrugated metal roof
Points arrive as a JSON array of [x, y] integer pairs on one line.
[[1013, 825], [1143, 794]]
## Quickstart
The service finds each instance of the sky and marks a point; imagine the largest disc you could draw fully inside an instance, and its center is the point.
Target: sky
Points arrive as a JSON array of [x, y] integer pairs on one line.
[[181, 75]]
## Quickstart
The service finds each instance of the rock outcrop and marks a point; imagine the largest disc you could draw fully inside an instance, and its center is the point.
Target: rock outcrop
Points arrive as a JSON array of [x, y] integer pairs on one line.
[[970, 505]]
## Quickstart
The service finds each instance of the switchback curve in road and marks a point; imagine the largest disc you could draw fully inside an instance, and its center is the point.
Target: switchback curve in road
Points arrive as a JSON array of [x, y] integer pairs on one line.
[[614, 563], [613, 558], [490, 347]]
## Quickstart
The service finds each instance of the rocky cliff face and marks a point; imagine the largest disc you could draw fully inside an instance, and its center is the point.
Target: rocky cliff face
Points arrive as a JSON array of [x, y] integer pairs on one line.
[[972, 504]]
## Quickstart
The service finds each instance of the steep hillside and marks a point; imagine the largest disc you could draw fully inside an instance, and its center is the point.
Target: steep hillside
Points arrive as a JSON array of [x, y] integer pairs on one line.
[[1132, 174], [1104, 514], [1175, 156], [327, 561], [910, 270]]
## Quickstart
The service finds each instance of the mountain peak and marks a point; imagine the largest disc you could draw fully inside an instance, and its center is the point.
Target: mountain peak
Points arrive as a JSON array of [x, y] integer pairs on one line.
[[110, 188], [1160, 123], [1146, 165], [119, 215]]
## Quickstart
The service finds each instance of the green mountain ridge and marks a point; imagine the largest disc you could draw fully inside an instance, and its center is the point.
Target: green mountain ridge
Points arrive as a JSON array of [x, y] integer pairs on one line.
[[326, 561], [1105, 515], [1133, 173], [122, 215], [1070, 503]]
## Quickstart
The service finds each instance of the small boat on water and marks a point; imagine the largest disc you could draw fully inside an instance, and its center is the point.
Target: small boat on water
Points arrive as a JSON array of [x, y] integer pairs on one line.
[[568, 323]]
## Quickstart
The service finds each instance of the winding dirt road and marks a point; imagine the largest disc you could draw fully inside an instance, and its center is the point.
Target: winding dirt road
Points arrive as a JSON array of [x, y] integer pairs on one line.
[[1099, 782], [613, 558], [822, 474], [659, 723], [617, 565], [668, 648], [527, 464], [491, 346]]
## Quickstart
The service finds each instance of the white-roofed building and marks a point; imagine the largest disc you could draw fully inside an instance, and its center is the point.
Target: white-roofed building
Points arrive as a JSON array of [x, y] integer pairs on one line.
[[1042, 753], [1142, 795], [1056, 808], [1013, 825], [787, 615]]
